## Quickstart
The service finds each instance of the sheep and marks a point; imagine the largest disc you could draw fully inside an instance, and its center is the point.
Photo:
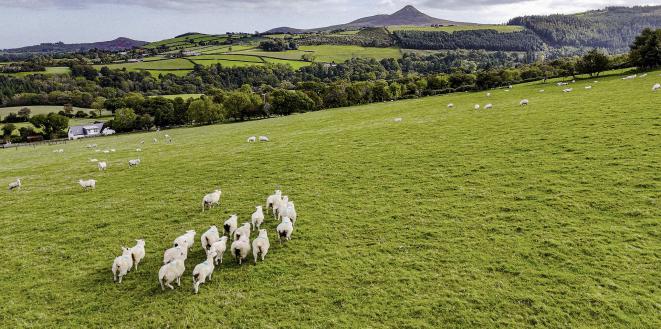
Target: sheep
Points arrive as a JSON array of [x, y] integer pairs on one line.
[[209, 237], [102, 165], [168, 139], [568, 90], [588, 87], [87, 184], [282, 205], [488, 106], [58, 151], [291, 212], [509, 87], [138, 252], [560, 84], [642, 75], [523, 102], [171, 272], [272, 200], [450, 105], [284, 229], [252, 139], [134, 162], [257, 217], [241, 231], [398, 120], [231, 224], [185, 240], [263, 139], [122, 265], [477, 106], [240, 248], [260, 246], [113, 150], [106, 151], [16, 185], [629, 77], [94, 160], [175, 253], [203, 271], [211, 199], [541, 90], [488, 94], [155, 141], [573, 81], [138, 150], [97, 151], [656, 87], [219, 247], [141, 142]]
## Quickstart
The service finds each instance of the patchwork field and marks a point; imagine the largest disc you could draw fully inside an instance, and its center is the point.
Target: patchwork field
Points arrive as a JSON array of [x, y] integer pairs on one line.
[[49, 71], [339, 54], [40, 109], [543, 216], [450, 29]]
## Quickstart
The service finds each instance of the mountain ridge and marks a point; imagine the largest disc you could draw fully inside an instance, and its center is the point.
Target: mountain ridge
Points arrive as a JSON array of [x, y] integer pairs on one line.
[[121, 43]]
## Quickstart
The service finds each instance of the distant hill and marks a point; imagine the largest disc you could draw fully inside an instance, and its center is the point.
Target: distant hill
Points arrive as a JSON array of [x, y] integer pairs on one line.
[[408, 15], [59, 47]]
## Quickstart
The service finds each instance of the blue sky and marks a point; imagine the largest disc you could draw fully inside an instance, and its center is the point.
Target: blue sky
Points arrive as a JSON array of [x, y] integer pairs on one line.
[[27, 22]]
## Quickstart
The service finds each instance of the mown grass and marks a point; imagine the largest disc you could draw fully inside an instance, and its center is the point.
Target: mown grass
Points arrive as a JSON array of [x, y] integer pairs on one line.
[[450, 29], [49, 71], [541, 216], [340, 54]]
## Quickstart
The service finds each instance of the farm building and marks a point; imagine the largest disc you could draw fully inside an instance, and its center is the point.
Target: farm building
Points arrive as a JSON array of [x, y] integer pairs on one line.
[[90, 130]]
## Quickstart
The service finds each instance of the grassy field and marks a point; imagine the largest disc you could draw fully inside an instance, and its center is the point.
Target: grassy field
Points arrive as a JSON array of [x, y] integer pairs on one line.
[[339, 54], [450, 29], [543, 216], [40, 109], [168, 64], [49, 71]]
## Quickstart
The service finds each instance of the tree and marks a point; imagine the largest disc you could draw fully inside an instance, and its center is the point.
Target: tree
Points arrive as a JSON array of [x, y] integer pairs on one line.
[[646, 49], [8, 129], [204, 111], [99, 104], [24, 113], [53, 125], [124, 120], [593, 63]]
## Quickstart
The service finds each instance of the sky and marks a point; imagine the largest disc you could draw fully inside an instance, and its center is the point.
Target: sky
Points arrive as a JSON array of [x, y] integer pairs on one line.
[[29, 22]]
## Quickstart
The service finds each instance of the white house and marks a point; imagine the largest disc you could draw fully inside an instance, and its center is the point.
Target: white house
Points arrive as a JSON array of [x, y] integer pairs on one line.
[[90, 130]]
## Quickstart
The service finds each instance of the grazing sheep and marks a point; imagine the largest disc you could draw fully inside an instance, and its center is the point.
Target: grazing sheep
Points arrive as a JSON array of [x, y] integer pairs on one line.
[[211, 199], [58, 151], [656, 87], [510, 86], [291, 212], [106, 151], [642, 75], [203, 271], [272, 200], [15, 185], [398, 120], [252, 139], [112, 150], [568, 90], [573, 81], [134, 162], [185, 240], [285, 228], [175, 253], [102, 165], [263, 139], [488, 94], [242, 230], [87, 184], [541, 90], [155, 141], [168, 139], [629, 77], [141, 142], [257, 217], [240, 248], [219, 247], [138, 150], [138, 252], [171, 272], [209, 237], [231, 225], [477, 106], [488, 106], [282, 205], [588, 87], [560, 84], [94, 160], [450, 105], [122, 265], [523, 102], [260, 246]]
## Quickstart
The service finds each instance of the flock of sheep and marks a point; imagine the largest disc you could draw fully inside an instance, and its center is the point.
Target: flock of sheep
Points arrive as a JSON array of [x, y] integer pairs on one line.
[[213, 243]]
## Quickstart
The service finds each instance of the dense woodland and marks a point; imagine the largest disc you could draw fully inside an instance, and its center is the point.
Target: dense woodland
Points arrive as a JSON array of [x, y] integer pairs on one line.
[[474, 39], [368, 37]]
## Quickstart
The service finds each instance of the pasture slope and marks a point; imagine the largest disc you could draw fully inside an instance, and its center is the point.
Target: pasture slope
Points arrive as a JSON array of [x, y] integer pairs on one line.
[[543, 216]]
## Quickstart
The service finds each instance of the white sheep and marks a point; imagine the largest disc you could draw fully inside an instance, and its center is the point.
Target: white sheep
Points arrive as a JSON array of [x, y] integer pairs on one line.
[[642, 75], [477, 106], [138, 150], [211, 199], [257, 217], [629, 77], [241, 231], [252, 139], [507, 90], [282, 205], [175, 253], [523, 102], [122, 265], [231, 224], [219, 247], [138, 252], [588, 87], [488, 94], [289, 211], [450, 105], [171, 272], [656, 87], [568, 90], [87, 184], [272, 200], [113, 150], [541, 90], [106, 151], [155, 141], [488, 106], [203, 271], [398, 120], [134, 162], [185, 240], [560, 84], [263, 139], [168, 139], [94, 160], [141, 142], [510, 86], [261, 245], [16, 185], [102, 165], [240, 248], [284, 229], [573, 81], [209, 237]]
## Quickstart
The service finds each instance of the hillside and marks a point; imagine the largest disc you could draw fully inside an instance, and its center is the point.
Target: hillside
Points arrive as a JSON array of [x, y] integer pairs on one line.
[[408, 15], [59, 47], [545, 216]]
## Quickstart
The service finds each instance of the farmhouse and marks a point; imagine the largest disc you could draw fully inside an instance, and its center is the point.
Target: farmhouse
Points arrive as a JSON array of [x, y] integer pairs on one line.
[[90, 130], [190, 53]]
